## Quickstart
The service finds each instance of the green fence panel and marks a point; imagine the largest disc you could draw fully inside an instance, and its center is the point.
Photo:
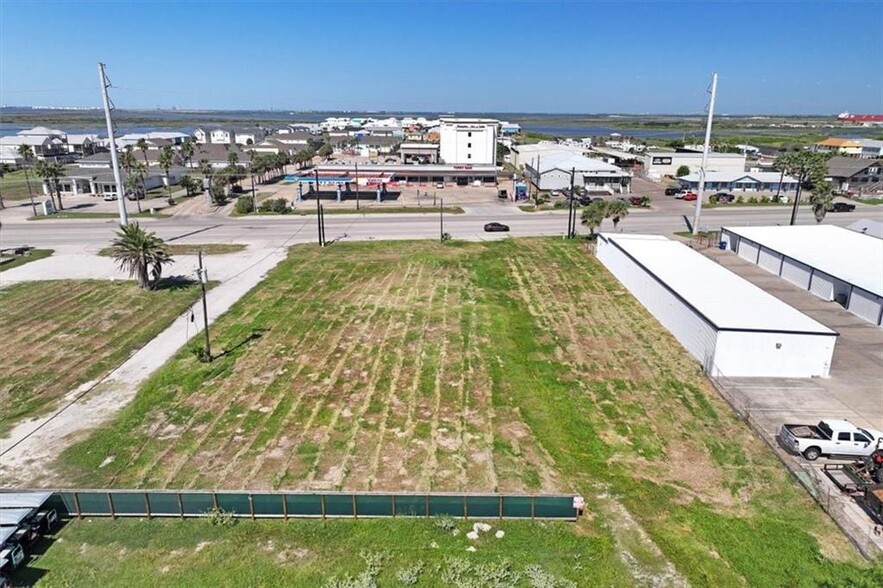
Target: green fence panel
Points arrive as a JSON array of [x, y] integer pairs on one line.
[[515, 507], [411, 505], [94, 503], [63, 502], [554, 507], [268, 505], [129, 503], [483, 506], [303, 505], [234, 502], [446, 505], [371, 505], [196, 503], [339, 505], [164, 504]]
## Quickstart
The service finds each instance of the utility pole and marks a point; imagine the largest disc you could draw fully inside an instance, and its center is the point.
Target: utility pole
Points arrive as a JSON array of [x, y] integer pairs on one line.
[[203, 278], [114, 160], [701, 194], [441, 219], [571, 221], [781, 179], [319, 221], [357, 186], [801, 177]]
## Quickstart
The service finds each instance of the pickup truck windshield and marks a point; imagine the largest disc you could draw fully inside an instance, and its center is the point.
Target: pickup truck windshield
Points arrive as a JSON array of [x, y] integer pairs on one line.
[[826, 430], [866, 433]]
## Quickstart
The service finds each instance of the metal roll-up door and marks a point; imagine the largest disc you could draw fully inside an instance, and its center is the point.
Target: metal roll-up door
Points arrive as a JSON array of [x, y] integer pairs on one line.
[[822, 285], [748, 250], [797, 273], [865, 305], [769, 260]]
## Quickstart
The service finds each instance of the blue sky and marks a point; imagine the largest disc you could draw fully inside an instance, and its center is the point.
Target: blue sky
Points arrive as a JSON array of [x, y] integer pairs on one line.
[[575, 57]]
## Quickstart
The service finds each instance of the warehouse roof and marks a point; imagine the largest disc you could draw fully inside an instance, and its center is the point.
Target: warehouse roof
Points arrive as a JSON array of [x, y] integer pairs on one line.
[[727, 301], [867, 227], [848, 256]]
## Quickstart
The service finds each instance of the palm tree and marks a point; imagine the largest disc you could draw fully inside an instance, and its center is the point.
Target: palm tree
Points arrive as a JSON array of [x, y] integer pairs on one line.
[[129, 163], [143, 146], [187, 150], [50, 172], [821, 200], [27, 154], [189, 184], [140, 253], [594, 214], [617, 210], [166, 158], [5, 168]]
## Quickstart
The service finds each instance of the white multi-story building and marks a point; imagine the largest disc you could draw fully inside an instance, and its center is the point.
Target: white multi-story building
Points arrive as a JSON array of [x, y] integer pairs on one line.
[[468, 141]]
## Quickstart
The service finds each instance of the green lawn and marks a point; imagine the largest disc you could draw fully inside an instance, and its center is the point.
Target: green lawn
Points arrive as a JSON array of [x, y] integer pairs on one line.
[[871, 201], [14, 186], [134, 553], [33, 255], [370, 209], [57, 335], [192, 249], [511, 366]]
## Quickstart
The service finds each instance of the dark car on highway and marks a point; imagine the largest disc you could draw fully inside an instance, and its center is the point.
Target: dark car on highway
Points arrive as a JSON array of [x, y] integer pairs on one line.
[[841, 207], [671, 191], [496, 228]]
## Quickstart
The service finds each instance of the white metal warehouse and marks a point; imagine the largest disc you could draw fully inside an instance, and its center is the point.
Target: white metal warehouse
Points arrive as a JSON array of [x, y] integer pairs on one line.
[[731, 326], [831, 262]]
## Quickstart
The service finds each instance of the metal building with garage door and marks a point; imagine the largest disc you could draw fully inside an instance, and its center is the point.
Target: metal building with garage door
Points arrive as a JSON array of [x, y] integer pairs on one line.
[[831, 262], [732, 327]]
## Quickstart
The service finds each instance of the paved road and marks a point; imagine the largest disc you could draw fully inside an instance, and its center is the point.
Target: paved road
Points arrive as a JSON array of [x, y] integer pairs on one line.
[[272, 230]]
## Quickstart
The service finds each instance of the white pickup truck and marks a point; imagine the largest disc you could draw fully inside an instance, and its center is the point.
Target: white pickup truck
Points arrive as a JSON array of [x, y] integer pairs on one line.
[[831, 437]]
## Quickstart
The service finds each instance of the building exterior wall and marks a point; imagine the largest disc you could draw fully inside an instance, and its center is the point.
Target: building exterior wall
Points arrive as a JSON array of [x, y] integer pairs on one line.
[[692, 330], [797, 273], [776, 355], [824, 286], [465, 143], [667, 164], [866, 305], [769, 260]]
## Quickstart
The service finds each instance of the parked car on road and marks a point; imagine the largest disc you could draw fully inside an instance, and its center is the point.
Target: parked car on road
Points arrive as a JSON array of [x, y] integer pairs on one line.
[[110, 197], [725, 197], [502, 194], [439, 185], [672, 191], [830, 437], [841, 207], [496, 228]]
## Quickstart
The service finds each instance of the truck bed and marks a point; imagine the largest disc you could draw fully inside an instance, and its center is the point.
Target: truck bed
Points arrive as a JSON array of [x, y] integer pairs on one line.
[[806, 431]]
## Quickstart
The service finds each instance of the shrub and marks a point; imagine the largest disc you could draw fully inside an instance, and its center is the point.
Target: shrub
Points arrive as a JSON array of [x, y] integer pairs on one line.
[[683, 171], [712, 199], [410, 575], [645, 202], [739, 200], [244, 205], [221, 518], [752, 200], [445, 523], [559, 205], [275, 206], [764, 199]]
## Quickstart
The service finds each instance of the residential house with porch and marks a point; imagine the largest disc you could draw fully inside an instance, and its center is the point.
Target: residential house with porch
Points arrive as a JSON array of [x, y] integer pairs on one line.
[[44, 147], [851, 174]]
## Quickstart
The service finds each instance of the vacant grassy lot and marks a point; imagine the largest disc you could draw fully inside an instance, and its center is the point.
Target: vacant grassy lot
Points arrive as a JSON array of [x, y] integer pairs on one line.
[[135, 553], [55, 336], [511, 365]]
